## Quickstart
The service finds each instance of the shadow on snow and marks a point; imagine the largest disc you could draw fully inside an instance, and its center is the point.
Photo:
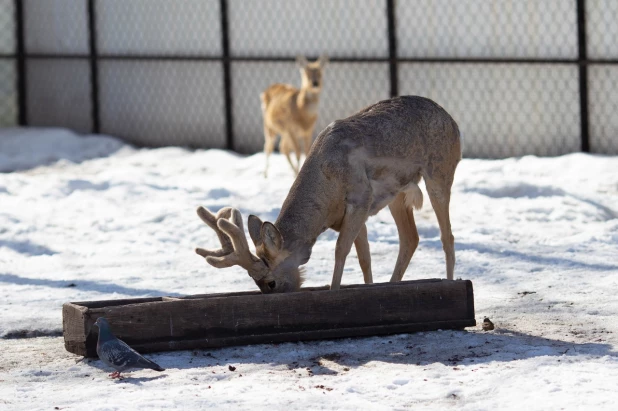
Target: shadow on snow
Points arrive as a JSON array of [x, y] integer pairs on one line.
[[333, 357], [27, 248], [85, 285]]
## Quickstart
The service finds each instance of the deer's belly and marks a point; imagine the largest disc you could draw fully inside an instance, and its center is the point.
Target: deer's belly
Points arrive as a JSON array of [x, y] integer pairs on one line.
[[384, 191]]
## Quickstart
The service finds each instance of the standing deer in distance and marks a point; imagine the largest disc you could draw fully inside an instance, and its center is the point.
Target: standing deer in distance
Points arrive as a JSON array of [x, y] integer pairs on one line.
[[291, 112], [356, 167]]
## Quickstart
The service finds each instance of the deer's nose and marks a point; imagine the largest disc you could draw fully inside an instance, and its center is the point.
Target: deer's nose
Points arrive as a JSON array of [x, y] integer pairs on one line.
[[316, 83]]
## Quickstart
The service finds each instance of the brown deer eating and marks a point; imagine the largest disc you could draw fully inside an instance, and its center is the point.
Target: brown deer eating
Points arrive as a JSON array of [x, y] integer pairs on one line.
[[291, 112], [357, 166]]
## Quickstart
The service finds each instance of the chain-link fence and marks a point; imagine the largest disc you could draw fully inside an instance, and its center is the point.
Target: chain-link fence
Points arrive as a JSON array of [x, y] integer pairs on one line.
[[519, 76]]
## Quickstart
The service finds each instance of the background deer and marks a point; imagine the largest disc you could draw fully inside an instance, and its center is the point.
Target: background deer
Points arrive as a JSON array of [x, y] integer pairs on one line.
[[291, 112], [356, 167]]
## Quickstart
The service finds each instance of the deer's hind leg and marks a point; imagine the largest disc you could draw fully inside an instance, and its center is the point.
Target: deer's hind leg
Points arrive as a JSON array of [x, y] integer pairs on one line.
[[298, 151], [408, 234], [439, 190], [286, 145], [269, 145]]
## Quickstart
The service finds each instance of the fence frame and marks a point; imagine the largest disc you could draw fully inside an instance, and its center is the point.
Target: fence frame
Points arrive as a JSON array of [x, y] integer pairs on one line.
[[21, 55]]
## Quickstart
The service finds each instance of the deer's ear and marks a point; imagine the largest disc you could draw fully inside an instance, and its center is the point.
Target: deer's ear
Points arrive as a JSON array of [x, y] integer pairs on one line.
[[255, 227], [271, 238], [301, 61]]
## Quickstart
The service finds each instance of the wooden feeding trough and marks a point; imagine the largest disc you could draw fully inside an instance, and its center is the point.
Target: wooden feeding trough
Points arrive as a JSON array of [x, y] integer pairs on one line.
[[219, 320]]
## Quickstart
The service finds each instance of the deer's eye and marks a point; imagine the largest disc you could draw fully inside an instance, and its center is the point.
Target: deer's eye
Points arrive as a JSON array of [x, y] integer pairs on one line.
[[272, 285], [265, 262]]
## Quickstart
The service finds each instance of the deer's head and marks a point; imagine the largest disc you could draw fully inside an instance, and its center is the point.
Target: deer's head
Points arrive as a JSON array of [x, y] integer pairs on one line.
[[270, 267], [311, 72]]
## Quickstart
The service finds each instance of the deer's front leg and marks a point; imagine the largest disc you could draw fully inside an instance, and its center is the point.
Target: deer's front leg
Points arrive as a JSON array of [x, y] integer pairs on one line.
[[364, 257], [353, 222]]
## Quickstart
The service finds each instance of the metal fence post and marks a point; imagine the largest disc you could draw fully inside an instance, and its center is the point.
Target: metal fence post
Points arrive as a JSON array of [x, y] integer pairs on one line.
[[583, 75], [227, 76], [94, 66], [20, 54], [392, 47]]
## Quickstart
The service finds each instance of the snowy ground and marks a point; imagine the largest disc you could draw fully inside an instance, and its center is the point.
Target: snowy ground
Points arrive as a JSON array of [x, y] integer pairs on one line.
[[93, 219]]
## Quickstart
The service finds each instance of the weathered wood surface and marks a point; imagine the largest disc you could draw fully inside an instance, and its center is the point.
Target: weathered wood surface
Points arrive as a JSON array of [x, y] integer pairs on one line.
[[219, 320]]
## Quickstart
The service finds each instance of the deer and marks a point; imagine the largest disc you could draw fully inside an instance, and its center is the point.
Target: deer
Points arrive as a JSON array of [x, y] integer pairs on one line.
[[291, 112], [356, 167]]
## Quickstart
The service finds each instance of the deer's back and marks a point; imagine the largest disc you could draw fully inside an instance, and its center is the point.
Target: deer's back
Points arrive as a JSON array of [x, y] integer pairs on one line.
[[277, 91], [409, 128]]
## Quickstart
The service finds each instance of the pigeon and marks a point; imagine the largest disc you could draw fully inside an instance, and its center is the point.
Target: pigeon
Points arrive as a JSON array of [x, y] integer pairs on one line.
[[117, 354], [487, 324]]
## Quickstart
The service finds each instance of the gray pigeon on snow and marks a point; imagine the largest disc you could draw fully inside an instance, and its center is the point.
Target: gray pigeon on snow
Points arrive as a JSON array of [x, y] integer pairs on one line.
[[117, 354]]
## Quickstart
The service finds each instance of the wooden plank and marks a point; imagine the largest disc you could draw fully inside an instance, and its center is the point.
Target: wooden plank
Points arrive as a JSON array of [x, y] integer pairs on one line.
[[74, 326], [218, 320], [299, 336]]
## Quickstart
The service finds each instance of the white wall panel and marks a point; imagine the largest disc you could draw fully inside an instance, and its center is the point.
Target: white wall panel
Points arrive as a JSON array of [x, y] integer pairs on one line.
[[504, 110], [602, 29], [482, 28], [163, 103], [7, 26], [8, 94], [603, 98], [58, 94], [159, 26], [343, 28], [58, 26]]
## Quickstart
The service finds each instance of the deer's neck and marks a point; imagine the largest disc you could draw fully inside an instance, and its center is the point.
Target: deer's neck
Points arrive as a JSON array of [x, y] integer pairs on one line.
[[306, 212], [308, 100]]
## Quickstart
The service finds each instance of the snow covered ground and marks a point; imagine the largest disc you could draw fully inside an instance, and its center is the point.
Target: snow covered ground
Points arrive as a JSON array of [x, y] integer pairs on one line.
[[92, 219]]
